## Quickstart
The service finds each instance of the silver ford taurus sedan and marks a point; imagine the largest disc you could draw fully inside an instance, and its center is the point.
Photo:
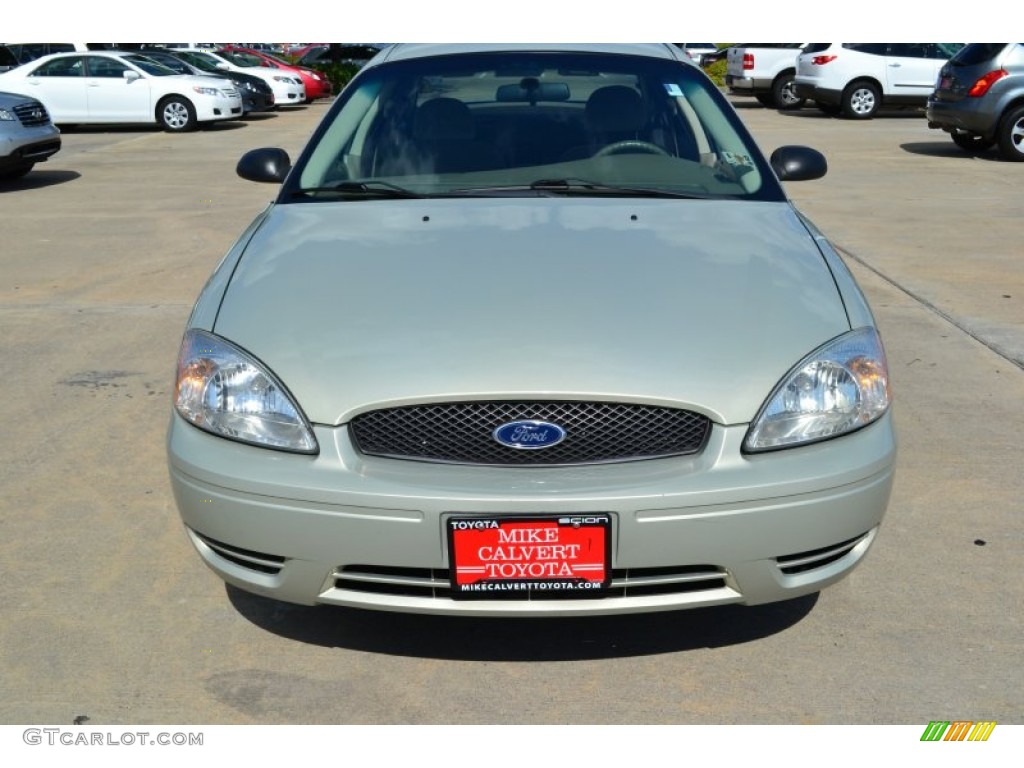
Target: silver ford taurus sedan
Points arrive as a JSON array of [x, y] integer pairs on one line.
[[531, 330]]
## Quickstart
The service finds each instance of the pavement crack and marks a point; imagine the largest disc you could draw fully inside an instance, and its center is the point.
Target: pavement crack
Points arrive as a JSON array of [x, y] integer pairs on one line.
[[933, 308]]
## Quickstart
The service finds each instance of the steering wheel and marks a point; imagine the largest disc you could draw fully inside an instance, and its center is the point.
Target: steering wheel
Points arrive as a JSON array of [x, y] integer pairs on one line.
[[630, 145]]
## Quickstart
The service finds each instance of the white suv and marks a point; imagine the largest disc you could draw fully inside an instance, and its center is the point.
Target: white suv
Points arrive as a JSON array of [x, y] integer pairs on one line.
[[856, 79]]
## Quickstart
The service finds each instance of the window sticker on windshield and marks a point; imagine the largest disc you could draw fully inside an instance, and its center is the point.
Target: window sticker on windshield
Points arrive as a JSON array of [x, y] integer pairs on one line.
[[732, 166], [734, 159], [673, 89]]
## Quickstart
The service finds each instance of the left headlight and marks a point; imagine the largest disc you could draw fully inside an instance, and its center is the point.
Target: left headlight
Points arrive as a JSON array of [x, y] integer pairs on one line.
[[840, 387], [205, 90], [226, 391]]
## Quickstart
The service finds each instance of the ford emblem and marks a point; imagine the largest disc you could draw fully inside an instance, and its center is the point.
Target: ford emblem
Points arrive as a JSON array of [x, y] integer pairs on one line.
[[529, 435]]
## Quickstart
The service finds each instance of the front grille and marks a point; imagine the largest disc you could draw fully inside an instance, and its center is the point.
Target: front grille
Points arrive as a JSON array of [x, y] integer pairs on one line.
[[434, 583], [595, 432], [32, 113]]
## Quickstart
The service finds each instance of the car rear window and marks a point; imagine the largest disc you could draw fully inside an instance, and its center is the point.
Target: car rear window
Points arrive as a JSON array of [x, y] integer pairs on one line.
[[976, 53], [7, 59]]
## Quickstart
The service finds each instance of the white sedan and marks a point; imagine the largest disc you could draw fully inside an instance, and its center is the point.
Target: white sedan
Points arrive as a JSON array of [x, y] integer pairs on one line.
[[104, 87], [288, 88]]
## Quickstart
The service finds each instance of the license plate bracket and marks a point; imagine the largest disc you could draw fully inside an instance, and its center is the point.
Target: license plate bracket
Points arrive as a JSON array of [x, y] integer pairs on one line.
[[521, 557]]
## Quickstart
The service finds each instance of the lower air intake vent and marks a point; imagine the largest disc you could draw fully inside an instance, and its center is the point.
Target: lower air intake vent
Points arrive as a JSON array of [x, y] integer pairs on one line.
[[817, 558], [256, 561], [434, 582]]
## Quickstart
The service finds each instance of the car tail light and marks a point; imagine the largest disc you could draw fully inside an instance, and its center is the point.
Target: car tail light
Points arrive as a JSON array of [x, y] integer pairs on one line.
[[748, 61], [820, 60], [983, 83]]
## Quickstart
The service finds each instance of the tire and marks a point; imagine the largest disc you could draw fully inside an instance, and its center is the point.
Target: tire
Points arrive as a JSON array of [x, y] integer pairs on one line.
[[176, 114], [15, 171], [861, 100], [971, 142], [783, 94], [765, 100], [1010, 135]]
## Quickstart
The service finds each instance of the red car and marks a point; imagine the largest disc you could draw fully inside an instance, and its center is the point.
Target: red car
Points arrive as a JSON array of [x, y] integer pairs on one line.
[[301, 50], [317, 84]]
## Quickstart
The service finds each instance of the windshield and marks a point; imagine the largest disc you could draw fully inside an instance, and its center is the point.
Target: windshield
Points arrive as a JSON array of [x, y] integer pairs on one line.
[[241, 59], [200, 61], [537, 123], [149, 66], [278, 59]]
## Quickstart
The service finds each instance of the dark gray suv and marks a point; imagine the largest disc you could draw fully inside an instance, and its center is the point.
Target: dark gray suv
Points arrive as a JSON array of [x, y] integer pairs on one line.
[[979, 99]]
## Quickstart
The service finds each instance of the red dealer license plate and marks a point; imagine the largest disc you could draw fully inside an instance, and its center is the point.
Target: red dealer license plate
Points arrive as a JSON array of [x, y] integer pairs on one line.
[[526, 557]]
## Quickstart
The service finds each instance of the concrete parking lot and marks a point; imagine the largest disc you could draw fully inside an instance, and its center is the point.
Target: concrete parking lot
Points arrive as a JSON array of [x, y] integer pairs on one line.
[[109, 615]]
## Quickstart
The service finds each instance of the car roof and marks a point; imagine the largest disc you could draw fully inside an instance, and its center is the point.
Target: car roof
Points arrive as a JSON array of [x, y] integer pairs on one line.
[[405, 51], [79, 54]]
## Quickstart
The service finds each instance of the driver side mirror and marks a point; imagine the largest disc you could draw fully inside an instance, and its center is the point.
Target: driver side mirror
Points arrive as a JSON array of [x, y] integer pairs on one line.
[[130, 75], [798, 163], [267, 164]]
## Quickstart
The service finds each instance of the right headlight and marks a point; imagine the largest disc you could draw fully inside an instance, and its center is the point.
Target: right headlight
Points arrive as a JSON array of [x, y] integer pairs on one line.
[[840, 387], [224, 390]]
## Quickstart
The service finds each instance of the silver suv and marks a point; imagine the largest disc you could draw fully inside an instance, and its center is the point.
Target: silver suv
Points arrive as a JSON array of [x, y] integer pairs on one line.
[[979, 99], [27, 135]]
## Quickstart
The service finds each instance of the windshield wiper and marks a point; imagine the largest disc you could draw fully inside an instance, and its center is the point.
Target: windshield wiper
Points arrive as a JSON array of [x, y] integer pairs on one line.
[[566, 186], [573, 186], [361, 189]]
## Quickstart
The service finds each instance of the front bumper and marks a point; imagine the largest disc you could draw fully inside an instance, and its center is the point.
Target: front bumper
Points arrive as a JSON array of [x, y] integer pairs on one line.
[[343, 529], [257, 102], [289, 94], [318, 89], [218, 108], [32, 144]]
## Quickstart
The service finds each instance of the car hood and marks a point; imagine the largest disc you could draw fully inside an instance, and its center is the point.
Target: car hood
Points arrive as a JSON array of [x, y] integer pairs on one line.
[[697, 304], [200, 81]]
